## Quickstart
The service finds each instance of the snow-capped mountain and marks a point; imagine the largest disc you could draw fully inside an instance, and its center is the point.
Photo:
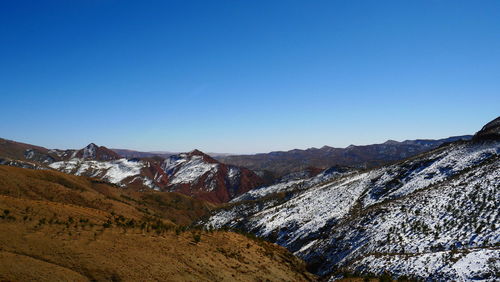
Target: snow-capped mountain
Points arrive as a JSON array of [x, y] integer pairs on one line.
[[434, 216], [122, 172], [90, 152], [96, 153], [93, 161], [198, 174], [194, 173], [101, 162]]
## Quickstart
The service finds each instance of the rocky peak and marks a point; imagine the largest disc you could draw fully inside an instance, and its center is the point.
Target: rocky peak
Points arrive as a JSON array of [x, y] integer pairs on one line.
[[98, 153], [199, 175], [90, 151], [204, 156], [491, 131], [196, 152]]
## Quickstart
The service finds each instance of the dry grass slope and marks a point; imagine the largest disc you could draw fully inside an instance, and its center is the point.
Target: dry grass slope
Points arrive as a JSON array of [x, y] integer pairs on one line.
[[61, 227], [59, 187]]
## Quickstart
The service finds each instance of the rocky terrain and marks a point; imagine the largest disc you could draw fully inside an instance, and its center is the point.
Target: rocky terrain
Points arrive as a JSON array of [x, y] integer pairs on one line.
[[434, 216]]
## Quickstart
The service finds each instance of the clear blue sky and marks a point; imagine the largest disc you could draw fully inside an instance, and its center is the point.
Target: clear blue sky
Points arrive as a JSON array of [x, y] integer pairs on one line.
[[246, 76]]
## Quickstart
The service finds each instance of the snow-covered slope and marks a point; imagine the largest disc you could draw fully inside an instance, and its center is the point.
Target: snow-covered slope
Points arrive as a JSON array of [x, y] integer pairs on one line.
[[294, 185], [198, 174], [120, 172], [428, 217], [194, 173], [186, 169]]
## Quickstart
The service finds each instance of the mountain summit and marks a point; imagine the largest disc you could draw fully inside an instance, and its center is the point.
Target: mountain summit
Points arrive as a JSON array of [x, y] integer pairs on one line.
[[197, 174], [97, 153], [490, 131]]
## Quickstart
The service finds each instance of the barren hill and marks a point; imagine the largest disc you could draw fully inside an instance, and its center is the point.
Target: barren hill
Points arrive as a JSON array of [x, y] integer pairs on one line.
[[55, 226]]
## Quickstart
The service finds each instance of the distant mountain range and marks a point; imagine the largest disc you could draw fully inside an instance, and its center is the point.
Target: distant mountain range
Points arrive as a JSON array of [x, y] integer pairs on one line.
[[280, 163], [162, 154], [129, 154]]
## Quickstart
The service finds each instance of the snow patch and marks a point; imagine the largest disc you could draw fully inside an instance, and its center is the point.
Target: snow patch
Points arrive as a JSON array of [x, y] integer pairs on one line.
[[113, 171]]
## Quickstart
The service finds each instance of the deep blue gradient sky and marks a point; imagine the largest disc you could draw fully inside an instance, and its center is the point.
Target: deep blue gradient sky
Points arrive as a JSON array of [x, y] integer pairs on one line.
[[246, 76]]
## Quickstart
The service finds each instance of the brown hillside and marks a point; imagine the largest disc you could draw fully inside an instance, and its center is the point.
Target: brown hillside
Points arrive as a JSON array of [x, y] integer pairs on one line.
[[16, 150], [62, 227], [92, 193]]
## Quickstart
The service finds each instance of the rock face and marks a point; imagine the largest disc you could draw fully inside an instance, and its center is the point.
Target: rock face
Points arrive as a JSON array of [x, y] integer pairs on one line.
[[490, 131], [199, 175], [434, 216]]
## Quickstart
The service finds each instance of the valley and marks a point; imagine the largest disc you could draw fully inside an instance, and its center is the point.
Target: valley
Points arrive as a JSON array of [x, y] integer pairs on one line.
[[250, 141], [433, 215]]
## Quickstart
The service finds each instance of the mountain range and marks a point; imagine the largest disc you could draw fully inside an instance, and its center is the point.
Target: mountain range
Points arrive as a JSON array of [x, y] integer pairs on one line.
[[194, 173], [126, 153], [434, 216], [280, 163], [198, 174], [419, 209]]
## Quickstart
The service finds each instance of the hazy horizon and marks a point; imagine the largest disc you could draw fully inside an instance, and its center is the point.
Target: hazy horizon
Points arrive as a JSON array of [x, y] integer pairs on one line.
[[245, 77]]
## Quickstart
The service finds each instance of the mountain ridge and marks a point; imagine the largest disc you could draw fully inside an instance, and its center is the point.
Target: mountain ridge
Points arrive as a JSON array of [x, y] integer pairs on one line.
[[433, 216], [362, 156], [217, 184], [198, 174], [490, 131]]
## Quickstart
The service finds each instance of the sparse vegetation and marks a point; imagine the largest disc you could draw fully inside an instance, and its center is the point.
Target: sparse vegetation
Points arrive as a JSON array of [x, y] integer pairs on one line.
[[66, 232], [197, 237]]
